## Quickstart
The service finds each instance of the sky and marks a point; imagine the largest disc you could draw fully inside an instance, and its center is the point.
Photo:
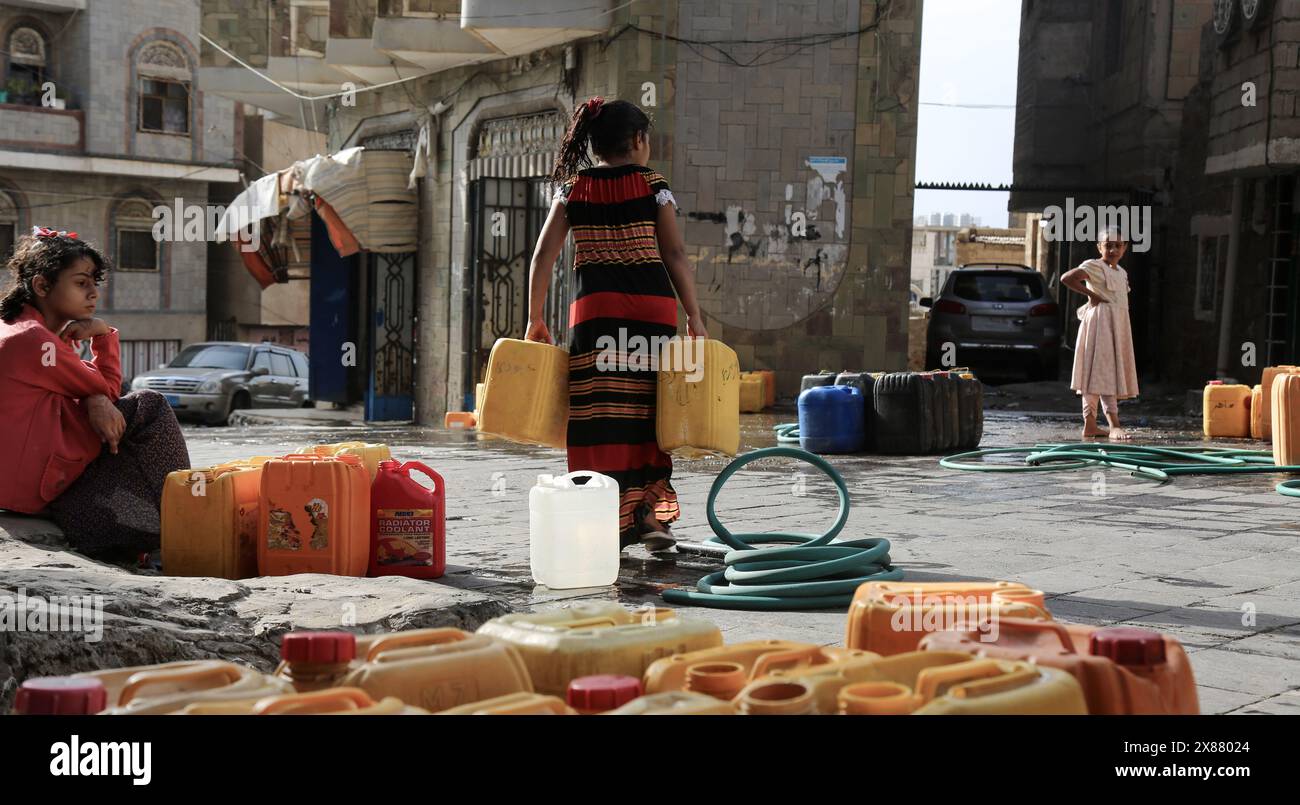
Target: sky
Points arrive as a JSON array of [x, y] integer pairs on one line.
[[969, 52]]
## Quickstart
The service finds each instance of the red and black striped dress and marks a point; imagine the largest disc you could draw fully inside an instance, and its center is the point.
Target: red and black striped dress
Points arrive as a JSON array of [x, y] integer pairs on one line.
[[622, 292]]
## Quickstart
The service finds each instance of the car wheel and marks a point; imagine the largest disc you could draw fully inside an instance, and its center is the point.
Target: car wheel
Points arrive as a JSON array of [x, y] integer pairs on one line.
[[238, 402]]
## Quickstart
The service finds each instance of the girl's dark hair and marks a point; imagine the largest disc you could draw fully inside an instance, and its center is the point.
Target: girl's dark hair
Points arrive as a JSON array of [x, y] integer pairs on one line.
[[608, 126], [39, 256]]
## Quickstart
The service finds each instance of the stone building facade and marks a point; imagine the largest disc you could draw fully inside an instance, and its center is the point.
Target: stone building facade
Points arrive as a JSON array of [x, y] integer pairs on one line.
[[793, 170], [135, 130]]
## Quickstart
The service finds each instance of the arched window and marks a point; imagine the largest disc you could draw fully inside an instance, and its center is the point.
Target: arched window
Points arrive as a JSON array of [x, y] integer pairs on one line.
[[27, 57], [137, 250], [8, 226], [165, 81]]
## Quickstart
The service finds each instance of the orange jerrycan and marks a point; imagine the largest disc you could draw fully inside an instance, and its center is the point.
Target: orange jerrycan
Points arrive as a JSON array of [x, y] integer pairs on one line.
[[166, 688], [526, 393], [769, 386], [722, 672], [370, 454], [1257, 428], [949, 683], [891, 617], [1225, 410], [1271, 374], [1123, 670], [514, 704], [675, 703], [698, 398], [1286, 420], [436, 669], [209, 521], [330, 701], [560, 645], [314, 516]]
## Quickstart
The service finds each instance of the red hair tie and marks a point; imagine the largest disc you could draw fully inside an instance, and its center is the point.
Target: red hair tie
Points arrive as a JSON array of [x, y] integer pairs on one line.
[[45, 232], [594, 106]]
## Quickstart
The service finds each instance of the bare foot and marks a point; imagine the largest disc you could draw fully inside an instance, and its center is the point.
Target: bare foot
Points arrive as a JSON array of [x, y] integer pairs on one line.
[[1120, 435], [1092, 433]]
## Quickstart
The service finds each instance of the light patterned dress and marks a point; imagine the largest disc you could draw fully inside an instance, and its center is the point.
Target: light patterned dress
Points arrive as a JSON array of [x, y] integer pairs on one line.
[[1103, 354]]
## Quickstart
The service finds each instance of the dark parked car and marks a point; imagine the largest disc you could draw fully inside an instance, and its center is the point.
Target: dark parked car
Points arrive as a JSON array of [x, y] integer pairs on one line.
[[995, 313], [209, 380]]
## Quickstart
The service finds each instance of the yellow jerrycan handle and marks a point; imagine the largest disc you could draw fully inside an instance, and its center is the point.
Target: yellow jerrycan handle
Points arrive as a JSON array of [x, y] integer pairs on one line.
[[765, 661], [319, 701], [980, 673], [228, 672], [407, 639], [1026, 625]]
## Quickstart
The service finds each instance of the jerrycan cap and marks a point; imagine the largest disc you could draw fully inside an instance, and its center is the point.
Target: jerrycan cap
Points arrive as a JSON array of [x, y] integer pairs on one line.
[[603, 692], [61, 696], [324, 647], [1128, 645], [1215, 383], [389, 465]]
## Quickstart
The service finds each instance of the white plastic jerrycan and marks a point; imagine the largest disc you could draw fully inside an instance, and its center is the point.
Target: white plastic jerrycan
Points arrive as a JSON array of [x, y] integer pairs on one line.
[[573, 531]]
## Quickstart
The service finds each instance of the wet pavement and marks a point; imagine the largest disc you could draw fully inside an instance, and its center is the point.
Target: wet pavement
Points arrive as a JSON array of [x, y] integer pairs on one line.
[[1213, 560]]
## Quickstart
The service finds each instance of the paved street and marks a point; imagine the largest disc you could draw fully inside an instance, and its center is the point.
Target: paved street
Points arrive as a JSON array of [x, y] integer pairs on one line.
[[1214, 561]]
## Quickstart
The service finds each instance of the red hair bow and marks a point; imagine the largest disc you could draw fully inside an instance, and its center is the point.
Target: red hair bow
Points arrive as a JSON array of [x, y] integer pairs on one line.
[[594, 105], [46, 232]]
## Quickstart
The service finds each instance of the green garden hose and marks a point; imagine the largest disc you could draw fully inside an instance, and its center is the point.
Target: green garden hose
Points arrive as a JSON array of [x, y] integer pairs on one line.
[[1154, 463], [787, 433], [811, 573]]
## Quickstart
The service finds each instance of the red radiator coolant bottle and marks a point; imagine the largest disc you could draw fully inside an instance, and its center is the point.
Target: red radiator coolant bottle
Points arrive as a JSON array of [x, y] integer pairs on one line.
[[408, 522]]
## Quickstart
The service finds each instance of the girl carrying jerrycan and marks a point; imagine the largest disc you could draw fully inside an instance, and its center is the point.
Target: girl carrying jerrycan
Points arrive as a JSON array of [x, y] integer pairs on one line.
[[630, 266]]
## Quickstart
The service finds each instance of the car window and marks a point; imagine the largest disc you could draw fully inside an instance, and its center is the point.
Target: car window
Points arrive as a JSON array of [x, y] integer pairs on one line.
[[997, 287], [300, 363], [281, 366], [211, 356], [262, 360]]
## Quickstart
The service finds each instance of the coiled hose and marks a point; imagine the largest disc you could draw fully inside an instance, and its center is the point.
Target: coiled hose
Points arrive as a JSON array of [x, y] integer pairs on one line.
[[810, 574], [787, 433], [1154, 463]]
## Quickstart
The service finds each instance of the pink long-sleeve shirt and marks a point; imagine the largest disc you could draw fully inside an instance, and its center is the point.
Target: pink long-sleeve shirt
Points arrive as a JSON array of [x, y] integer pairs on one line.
[[49, 441]]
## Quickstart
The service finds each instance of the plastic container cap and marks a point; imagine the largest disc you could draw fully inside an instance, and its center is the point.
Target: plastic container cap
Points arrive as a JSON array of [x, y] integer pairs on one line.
[[603, 692], [1215, 383], [389, 464], [61, 696], [331, 647], [1128, 645]]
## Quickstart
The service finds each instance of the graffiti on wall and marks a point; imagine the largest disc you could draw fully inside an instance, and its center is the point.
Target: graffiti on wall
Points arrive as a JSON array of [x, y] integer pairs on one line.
[[771, 271]]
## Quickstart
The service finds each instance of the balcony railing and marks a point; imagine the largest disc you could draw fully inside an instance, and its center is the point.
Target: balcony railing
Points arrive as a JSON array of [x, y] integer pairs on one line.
[[36, 128]]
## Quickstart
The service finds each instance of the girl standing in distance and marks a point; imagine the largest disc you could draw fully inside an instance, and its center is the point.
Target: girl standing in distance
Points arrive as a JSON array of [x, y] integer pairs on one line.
[[630, 268], [1104, 368]]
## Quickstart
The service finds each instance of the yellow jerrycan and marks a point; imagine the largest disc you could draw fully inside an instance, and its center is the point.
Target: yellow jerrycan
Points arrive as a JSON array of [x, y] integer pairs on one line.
[[370, 454], [526, 393], [698, 398], [723, 671], [209, 521], [953, 683], [1225, 411], [330, 701], [560, 645], [514, 704], [168, 687], [891, 617]]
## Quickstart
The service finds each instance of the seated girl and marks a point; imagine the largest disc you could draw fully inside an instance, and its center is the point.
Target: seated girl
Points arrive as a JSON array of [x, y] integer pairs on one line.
[[91, 461]]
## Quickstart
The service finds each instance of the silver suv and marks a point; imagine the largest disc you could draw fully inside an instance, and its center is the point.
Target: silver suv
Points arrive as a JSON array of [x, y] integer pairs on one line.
[[209, 380], [995, 313]]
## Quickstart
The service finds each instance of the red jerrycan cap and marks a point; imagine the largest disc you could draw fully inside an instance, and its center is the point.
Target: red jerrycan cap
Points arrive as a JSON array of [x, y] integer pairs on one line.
[[603, 692], [390, 464], [1215, 383], [1128, 645], [318, 647], [61, 696]]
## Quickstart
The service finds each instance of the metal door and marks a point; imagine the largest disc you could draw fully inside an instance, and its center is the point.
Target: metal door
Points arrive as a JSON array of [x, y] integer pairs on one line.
[[507, 216], [391, 392]]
